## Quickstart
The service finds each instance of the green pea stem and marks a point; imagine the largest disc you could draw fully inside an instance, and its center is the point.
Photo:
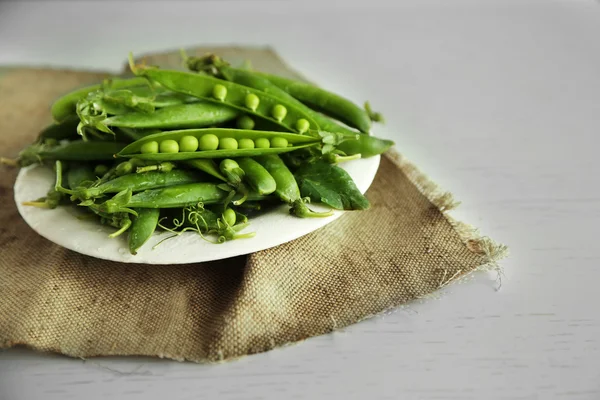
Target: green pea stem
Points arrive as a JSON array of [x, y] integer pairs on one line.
[[163, 167], [373, 115], [124, 227], [300, 209], [336, 158], [9, 162], [38, 204], [58, 185]]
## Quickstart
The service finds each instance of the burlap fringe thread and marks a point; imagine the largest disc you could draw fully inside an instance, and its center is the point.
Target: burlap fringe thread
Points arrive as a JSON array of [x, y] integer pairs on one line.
[[491, 251]]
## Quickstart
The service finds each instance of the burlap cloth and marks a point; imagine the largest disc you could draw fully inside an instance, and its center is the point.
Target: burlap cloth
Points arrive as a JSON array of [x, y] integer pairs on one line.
[[52, 299]]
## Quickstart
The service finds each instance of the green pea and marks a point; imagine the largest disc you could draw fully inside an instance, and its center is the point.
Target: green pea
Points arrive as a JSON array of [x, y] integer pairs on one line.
[[100, 170], [169, 146], [219, 92], [246, 143], [124, 168], [279, 112], [149, 147], [252, 101], [228, 144], [302, 125], [208, 142], [262, 143], [245, 122], [229, 217], [188, 144], [279, 142]]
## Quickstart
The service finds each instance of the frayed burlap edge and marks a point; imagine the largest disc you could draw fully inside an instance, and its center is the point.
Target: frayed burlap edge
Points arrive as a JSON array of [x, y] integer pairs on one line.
[[491, 251]]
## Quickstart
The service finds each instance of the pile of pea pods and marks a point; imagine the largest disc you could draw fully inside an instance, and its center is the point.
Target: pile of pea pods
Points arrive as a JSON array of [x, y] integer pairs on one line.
[[202, 149]]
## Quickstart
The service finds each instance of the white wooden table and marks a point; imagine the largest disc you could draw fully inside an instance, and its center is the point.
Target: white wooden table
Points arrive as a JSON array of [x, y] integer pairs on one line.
[[498, 101]]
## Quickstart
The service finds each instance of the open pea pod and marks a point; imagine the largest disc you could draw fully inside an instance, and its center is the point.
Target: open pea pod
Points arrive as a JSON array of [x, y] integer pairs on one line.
[[252, 101], [64, 107], [216, 143]]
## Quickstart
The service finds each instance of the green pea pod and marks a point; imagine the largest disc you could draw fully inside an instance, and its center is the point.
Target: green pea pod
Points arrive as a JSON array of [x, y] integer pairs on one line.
[[214, 64], [142, 228], [136, 183], [216, 90], [324, 101], [366, 146], [161, 97], [60, 131], [136, 148], [64, 107], [207, 165], [194, 115], [80, 175], [257, 176], [134, 134], [172, 197], [287, 187], [77, 150]]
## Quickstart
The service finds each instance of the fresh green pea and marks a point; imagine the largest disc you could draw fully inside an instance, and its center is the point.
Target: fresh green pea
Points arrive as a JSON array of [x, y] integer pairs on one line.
[[124, 168], [219, 92], [279, 142], [252, 101], [149, 147], [188, 143], [228, 143], [209, 141], [100, 170], [302, 125], [262, 143], [245, 122], [279, 112], [229, 217], [169, 146], [246, 143]]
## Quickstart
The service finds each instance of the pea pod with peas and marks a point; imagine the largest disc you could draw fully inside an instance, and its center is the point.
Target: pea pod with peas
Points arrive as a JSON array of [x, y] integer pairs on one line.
[[189, 144], [263, 105], [298, 93], [282, 88]]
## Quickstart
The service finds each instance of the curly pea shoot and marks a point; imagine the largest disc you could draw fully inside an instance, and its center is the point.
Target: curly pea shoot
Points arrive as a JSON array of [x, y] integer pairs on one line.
[[201, 150]]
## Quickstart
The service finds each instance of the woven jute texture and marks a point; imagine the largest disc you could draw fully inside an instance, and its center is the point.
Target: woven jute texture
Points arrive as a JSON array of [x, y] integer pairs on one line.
[[52, 299]]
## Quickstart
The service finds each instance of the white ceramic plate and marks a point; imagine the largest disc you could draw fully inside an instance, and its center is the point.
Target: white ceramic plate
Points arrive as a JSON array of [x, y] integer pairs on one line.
[[62, 226]]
